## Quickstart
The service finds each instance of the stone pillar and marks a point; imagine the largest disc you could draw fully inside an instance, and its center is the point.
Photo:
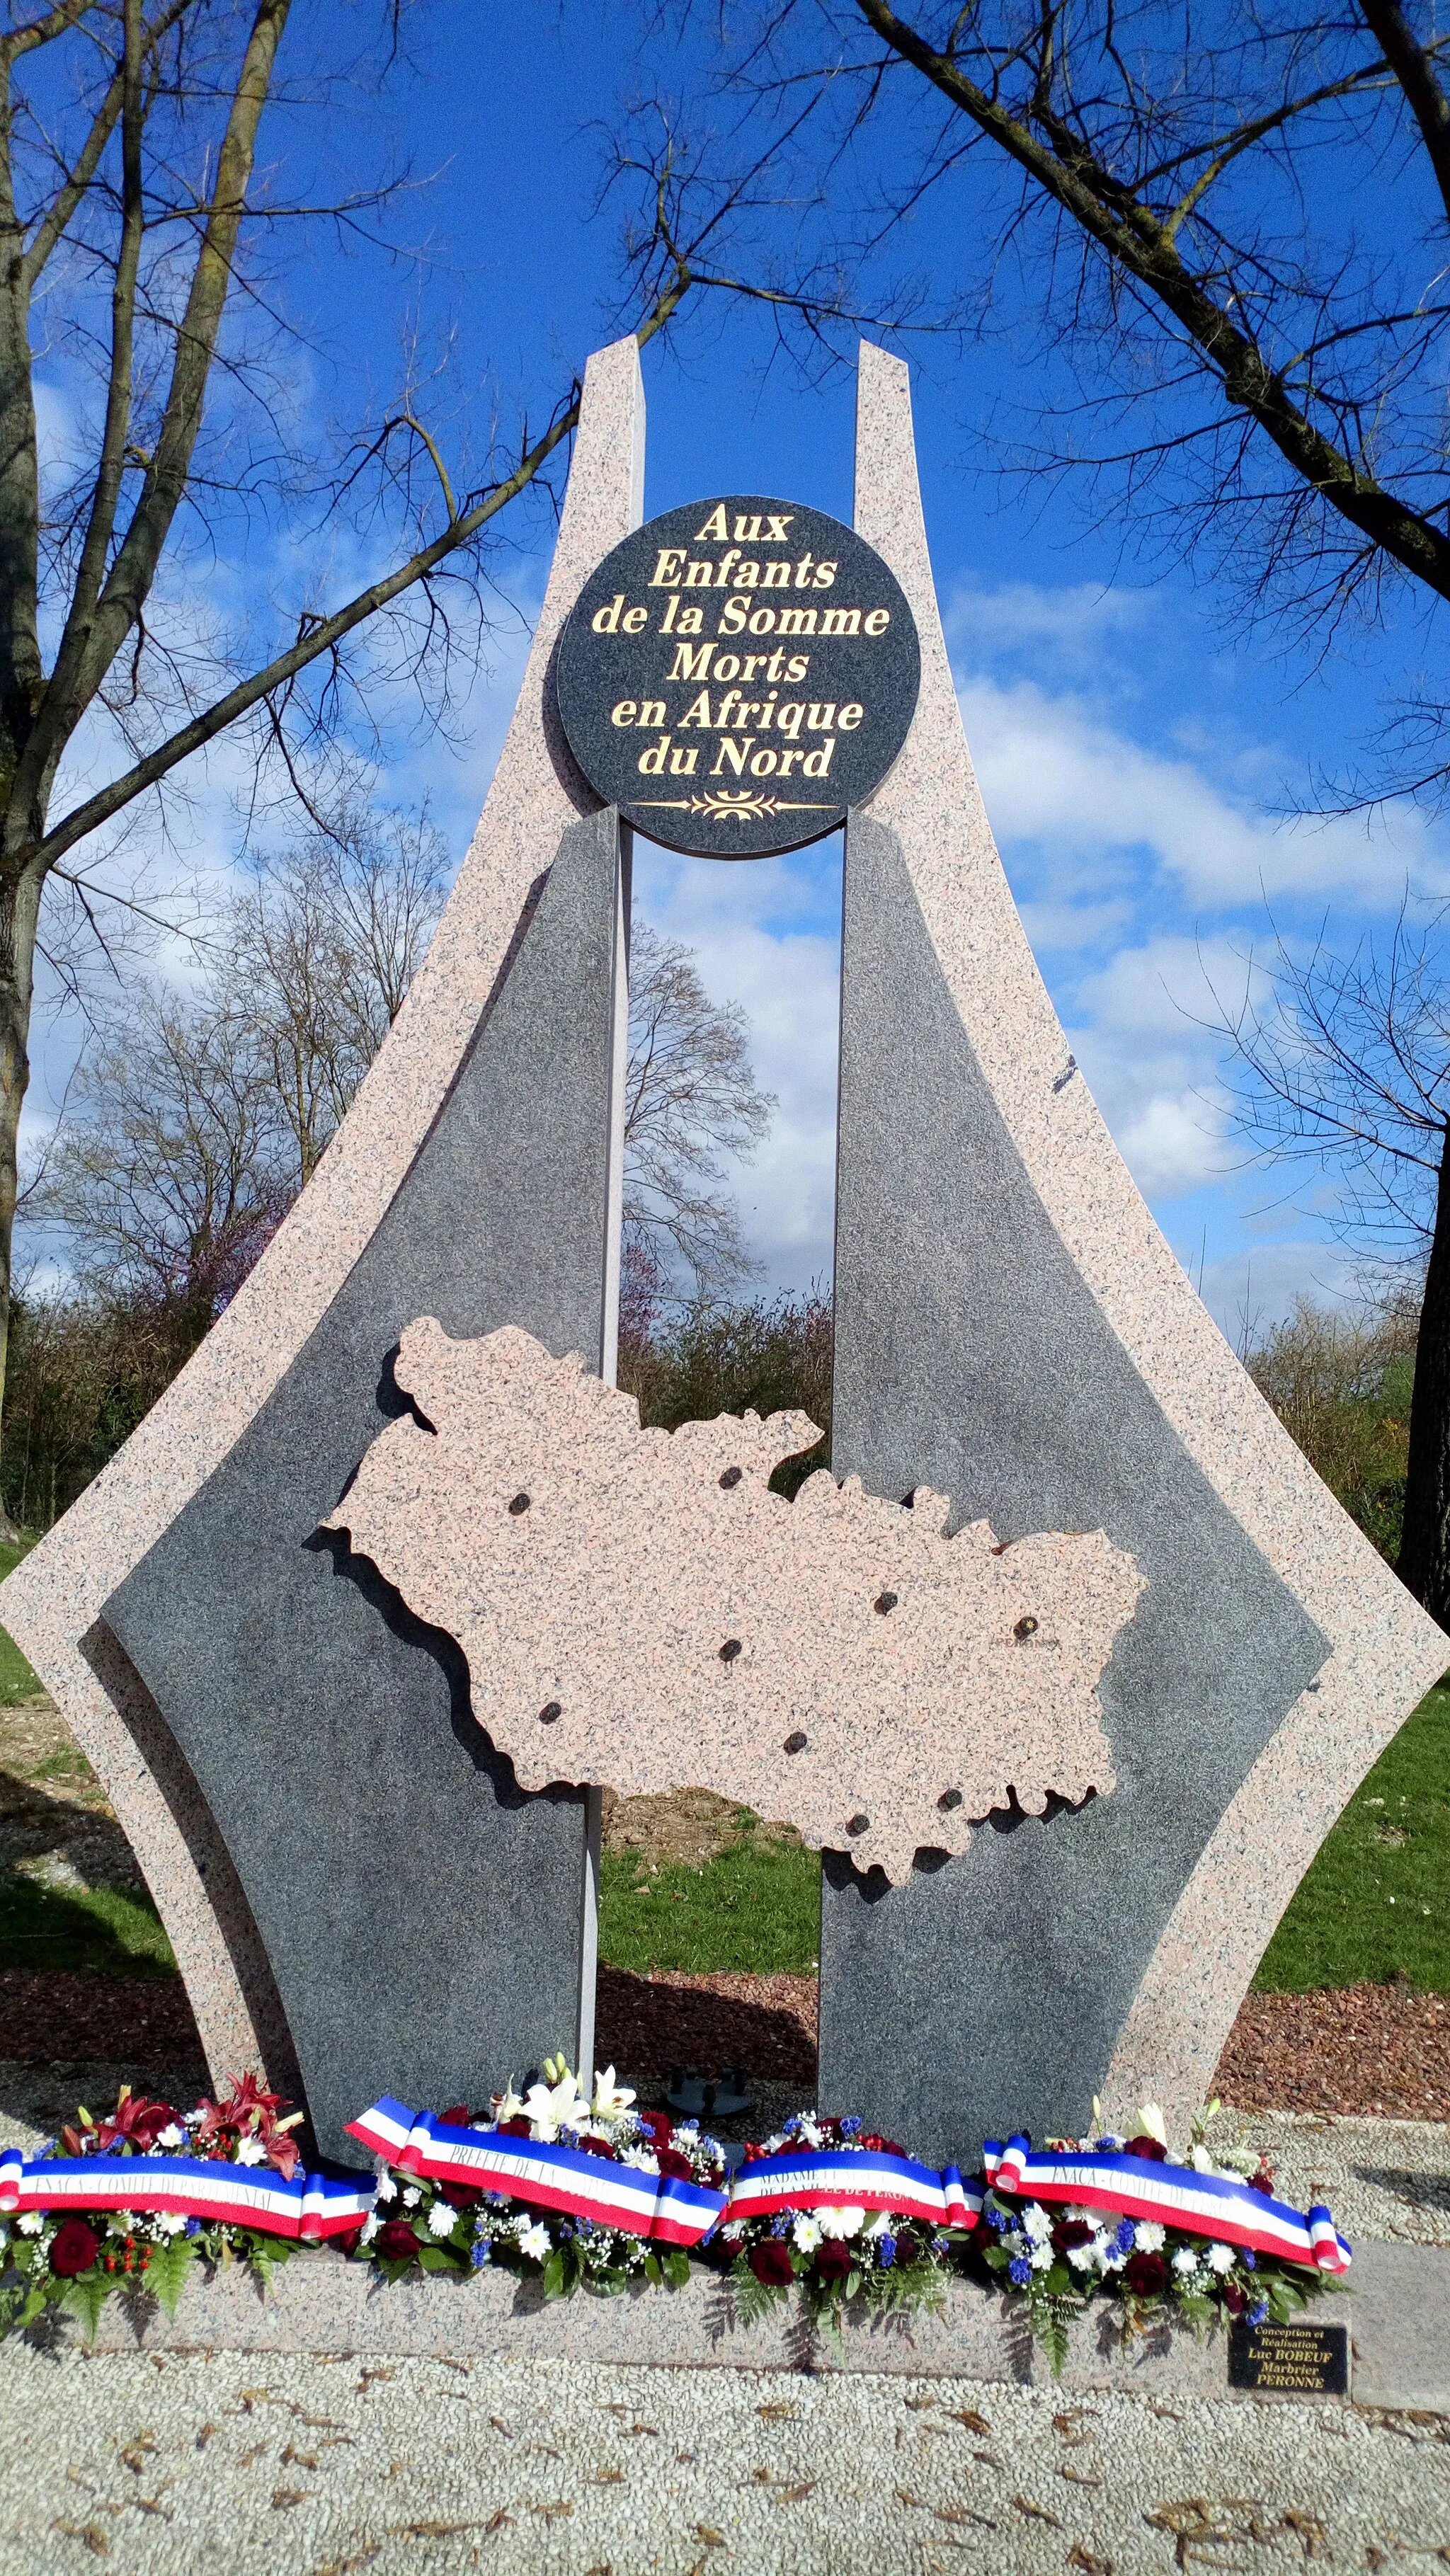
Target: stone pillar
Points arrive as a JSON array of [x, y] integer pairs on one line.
[[1012, 1330]]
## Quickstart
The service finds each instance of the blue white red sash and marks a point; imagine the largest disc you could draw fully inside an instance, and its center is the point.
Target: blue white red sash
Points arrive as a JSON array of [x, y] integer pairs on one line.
[[838, 2178], [310, 2206], [658, 2206], [1175, 2195]]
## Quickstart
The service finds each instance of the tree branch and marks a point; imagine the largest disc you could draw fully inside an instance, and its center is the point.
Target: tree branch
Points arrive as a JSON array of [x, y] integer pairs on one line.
[[1418, 79]]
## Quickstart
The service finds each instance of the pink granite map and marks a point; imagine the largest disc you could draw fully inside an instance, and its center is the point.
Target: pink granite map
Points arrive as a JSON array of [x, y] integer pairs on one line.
[[638, 1609]]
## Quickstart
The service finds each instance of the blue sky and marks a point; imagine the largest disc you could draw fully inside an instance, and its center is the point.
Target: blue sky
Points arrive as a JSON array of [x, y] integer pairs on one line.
[[1137, 756]]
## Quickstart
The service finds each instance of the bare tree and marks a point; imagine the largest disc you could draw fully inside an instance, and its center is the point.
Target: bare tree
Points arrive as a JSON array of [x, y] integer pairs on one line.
[[1344, 1064], [1165, 211], [134, 245], [690, 1097]]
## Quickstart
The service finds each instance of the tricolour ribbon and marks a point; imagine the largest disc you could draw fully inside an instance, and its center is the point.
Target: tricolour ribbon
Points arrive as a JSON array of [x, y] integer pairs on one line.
[[1175, 2195], [308, 2207], [658, 2206], [839, 2178]]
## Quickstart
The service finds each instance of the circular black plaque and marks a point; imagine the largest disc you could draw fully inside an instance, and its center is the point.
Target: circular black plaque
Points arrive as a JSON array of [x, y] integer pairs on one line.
[[736, 674]]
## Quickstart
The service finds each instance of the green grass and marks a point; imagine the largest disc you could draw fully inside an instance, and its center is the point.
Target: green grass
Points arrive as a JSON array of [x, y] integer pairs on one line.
[[102, 1931], [17, 1681], [1368, 1907], [756, 1906]]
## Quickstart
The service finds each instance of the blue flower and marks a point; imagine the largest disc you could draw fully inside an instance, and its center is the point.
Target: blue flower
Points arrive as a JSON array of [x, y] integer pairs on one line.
[[193, 2227], [939, 2244], [885, 2252], [1126, 2237], [1019, 2270], [1249, 2259], [497, 2199], [1258, 2313], [997, 2218], [480, 2253], [565, 2231], [850, 2126], [780, 2224]]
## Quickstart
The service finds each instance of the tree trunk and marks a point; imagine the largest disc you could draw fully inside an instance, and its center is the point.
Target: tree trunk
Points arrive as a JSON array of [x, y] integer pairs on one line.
[[1424, 1560], [19, 912]]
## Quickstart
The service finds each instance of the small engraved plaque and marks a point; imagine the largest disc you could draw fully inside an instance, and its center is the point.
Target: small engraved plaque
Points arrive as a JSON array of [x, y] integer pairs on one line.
[[1297, 2360]]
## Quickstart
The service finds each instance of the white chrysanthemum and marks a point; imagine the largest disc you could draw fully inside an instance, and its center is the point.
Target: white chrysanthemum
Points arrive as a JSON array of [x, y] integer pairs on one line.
[[387, 2188], [1185, 2260], [1036, 2225], [1149, 2236], [1221, 2258], [842, 2222], [643, 2158], [172, 2222], [172, 2137], [1041, 2258], [807, 2233], [1106, 2251], [809, 2134], [250, 2151], [370, 2227], [412, 2196], [1081, 2257], [31, 2223], [441, 2219], [536, 2243]]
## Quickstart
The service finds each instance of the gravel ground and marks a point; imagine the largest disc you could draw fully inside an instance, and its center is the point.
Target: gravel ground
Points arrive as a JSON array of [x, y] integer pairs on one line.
[[327, 2468]]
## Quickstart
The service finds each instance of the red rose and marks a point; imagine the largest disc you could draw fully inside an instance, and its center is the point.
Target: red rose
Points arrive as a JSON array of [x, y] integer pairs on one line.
[[908, 2248], [771, 2262], [1263, 2181], [876, 2146], [678, 2167], [458, 2117], [599, 2147], [1152, 2150], [1235, 2298], [833, 2259], [397, 2242], [74, 2248], [657, 2126], [348, 2239], [460, 2195], [1145, 2275], [1069, 2232], [517, 2128]]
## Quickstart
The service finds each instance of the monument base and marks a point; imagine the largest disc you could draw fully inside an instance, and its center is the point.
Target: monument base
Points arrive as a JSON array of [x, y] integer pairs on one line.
[[1398, 2315]]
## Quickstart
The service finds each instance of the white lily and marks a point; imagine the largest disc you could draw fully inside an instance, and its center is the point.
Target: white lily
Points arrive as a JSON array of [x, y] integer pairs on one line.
[[1150, 2123], [552, 2107], [507, 2104], [611, 2100]]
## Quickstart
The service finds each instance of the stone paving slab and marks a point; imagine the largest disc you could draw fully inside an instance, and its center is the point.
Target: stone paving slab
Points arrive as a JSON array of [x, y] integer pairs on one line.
[[294, 2466]]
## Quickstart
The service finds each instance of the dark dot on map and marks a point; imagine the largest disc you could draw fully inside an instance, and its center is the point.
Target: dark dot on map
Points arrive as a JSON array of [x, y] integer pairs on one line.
[[949, 1798], [1025, 1628], [729, 1650], [731, 1477], [859, 1825], [550, 1710], [519, 1504], [796, 1743], [886, 1601]]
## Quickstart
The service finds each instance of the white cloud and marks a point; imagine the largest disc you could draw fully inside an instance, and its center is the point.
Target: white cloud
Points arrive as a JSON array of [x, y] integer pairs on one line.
[[1058, 776]]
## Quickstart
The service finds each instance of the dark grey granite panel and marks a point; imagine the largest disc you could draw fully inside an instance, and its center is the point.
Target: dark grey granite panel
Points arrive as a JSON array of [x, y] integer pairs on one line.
[[422, 1916], [971, 1356]]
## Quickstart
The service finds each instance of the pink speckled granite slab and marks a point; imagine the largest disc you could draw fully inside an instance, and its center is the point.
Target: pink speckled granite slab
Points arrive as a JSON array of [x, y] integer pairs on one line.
[[1384, 1651], [53, 1601], [638, 1608]]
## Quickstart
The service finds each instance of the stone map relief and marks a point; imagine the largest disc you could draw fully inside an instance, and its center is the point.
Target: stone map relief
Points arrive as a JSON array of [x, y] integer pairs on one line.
[[637, 1608]]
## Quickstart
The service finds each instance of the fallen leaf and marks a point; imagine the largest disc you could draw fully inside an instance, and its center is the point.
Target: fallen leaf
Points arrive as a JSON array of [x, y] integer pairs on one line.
[[1069, 2427], [964, 2513], [249, 2397], [904, 2496], [777, 2411], [552, 2512], [1086, 2564], [795, 2495], [135, 2453], [712, 2538], [294, 2459], [1309, 2531], [257, 2452], [968, 2415], [1079, 2478], [204, 2436], [347, 2566], [632, 2429], [609, 2477], [1035, 2512], [367, 2378], [500, 2426], [917, 2405], [284, 2498], [89, 2532]]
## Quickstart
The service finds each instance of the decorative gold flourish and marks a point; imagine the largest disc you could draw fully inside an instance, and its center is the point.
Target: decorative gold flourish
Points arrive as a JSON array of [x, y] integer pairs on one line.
[[721, 805]]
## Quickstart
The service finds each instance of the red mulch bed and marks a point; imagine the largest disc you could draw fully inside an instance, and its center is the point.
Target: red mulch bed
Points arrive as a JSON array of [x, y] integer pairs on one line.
[[1376, 2049], [118, 2019], [1370, 2049]]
